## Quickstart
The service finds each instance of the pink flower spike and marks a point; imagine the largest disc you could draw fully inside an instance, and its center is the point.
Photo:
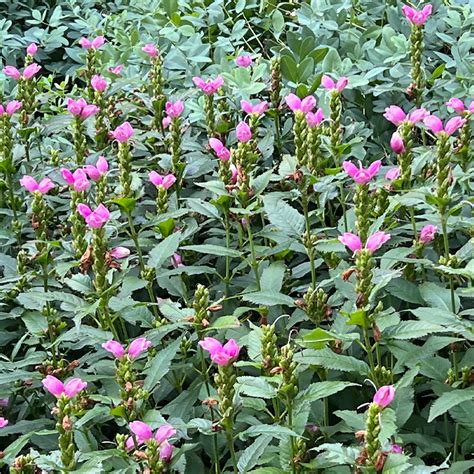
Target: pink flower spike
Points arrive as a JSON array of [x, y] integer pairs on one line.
[[417, 115], [351, 241], [210, 345], [141, 430], [342, 83], [123, 132], [73, 387], [169, 180], [308, 104], [88, 111], [417, 17], [137, 347], [453, 124], [45, 185], [98, 83], [94, 219], [116, 70], [4, 422], [257, 109], [434, 123], [32, 49], [243, 132], [396, 142], [327, 82], [84, 210], [396, 449], [456, 104], [13, 106], [361, 175], [231, 348], [115, 348], [166, 122], [166, 451], [31, 71], [163, 433], [235, 174], [13, 72], [119, 252], [98, 42], [177, 261], [210, 86], [155, 178], [102, 212], [85, 43], [393, 173], [67, 176], [53, 385], [293, 102], [395, 114], [384, 396], [29, 183], [244, 60], [220, 150], [313, 119], [174, 110], [428, 233], [375, 241], [151, 50], [102, 165]]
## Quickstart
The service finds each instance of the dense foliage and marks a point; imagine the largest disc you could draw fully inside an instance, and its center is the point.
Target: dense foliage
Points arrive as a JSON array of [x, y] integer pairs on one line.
[[236, 236]]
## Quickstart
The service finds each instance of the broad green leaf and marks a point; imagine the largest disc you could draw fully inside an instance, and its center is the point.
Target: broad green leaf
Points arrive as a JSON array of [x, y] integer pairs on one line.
[[255, 387], [251, 455], [212, 250], [160, 365], [164, 250], [449, 400], [268, 298], [319, 390]]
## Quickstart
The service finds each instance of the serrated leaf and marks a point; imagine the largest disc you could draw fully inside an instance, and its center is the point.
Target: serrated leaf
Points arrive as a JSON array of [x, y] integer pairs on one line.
[[412, 330], [330, 360], [272, 277], [268, 298], [250, 456], [213, 250], [283, 216], [255, 387], [160, 365], [449, 400], [276, 431], [164, 250], [319, 390]]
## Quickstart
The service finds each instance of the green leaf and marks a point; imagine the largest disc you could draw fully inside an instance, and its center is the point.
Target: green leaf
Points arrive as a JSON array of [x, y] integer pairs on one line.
[[330, 360], [225, 322], [276, 431], [251, 455], [164, 250], [396, 464], [127, 204], [319, 390], [212, 250], [272, 277], [282, 215], [255, 387], [268, 298], [160, 365], [437, 297], [278, 21], [449, 400], [411, 330]]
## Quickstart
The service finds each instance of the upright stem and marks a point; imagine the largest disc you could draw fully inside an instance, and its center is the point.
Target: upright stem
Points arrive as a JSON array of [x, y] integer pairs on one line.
[[310, 250], [254, 257]]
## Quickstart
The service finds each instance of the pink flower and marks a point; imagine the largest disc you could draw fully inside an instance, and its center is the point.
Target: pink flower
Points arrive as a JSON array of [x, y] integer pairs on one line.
[[32, 49], [150, 49], [220, 150], [235, 174], [115, 348], [396, 449], [338, 86], [97, 171], [243, 132], [435, 124], [397, 116], [257, 109], [244, 60], [119, 252], [31, 71], [456, 104], [177, 261], [375, 241], [80, 108], [4, 422], [11, 107], [158, 180], [220, 354], [303, 105], [166, 451], [137, 347], [94, 219], [123, 132], [96, 43], [116, 70], [396, 142], [164, 433], [55, 387], [428, 233], [361, 175], [166, 122], [12, 72], [174, 110], [78, 179], [392, 173], [417, 17], [351, 240], [141, 430], [98, 83], [31, 185], [314, 119], [384, 396], [210, 86]]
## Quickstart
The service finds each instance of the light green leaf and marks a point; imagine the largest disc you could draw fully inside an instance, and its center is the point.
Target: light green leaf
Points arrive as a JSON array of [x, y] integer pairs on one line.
[[164, 250], [250, 456], [449, 400], [268, 298], [160, 365], [319, 390], [212, 250]]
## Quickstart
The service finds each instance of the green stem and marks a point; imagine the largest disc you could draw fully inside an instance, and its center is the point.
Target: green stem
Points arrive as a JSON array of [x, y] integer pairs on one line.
[[292, 439], [230, 442], [444, 227], [227, 258], [310, 250], [254, 257]]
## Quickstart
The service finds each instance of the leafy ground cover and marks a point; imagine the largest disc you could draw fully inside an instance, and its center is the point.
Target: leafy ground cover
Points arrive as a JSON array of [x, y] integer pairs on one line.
[[236, 237]]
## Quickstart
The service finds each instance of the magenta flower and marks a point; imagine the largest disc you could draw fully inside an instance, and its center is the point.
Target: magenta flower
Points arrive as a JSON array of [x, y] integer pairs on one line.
[[98, 83], [97, 171], [313, 119], [435, 124], [393, 173], [243, 132], [210, 86], [220, 354], [31, 185], [3, 422], [397, 116], [166, 122], [396, 449], [116, 70], [96, 43], [12, 72], [78, 179], [158, 180], [137, 347], [338, 86], [151, 50], [177, 260], [235, 174], [456, 104], [164, 433], [243, 60], [57, 388], [166, 451], [123, 132], [174, 110], [141, 430], [384, 396], [361, 175], [374, 242], [119, 252], [220, 150], [11, 107], [428, 233], [303, 105], [351, 240], [396, 142], [257, 109], [32, 49], [29, 71], [115, 348], [94, 219], [80, 108], [417, 17]]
